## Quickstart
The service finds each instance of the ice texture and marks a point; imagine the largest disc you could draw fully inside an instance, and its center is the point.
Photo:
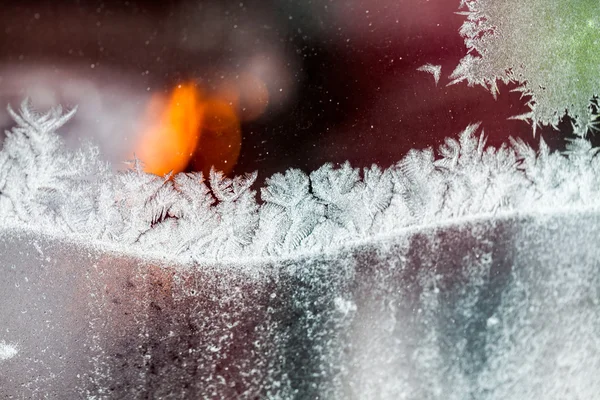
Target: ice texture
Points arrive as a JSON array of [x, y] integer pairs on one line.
[[549, 46], [492, 308], [189, 219], [470, 272]]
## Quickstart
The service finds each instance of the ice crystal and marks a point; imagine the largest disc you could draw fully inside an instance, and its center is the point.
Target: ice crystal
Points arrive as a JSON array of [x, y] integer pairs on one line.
[[334, 299], [46, 188], [434, 70], [7, 351], [550, 47]]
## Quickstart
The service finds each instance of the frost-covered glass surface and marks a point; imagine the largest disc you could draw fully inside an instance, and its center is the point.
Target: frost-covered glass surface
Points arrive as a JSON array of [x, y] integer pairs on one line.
[[503, 308], [283, 230], [558, 69], [184, 218]]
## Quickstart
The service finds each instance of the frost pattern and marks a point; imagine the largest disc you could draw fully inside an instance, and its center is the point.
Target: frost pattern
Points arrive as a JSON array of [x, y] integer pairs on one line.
[[549, 46], [435, 70], [189, 218]]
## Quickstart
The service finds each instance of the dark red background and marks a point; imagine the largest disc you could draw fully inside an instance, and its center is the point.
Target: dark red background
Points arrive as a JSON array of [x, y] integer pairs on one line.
[[357, 94]]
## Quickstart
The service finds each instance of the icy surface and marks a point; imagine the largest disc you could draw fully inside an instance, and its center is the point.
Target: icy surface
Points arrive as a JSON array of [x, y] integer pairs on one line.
[[187, 218], [549, 46], [466, 273], [497, 308]]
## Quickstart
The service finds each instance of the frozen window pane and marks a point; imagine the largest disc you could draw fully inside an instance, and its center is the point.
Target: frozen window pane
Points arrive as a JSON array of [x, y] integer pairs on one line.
[[494, 308], [464, 266]]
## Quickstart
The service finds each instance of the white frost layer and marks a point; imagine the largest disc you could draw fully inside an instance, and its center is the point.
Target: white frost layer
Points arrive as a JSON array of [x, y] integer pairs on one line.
[[7, 351], [548, 46], [496, 309], [45, 188]]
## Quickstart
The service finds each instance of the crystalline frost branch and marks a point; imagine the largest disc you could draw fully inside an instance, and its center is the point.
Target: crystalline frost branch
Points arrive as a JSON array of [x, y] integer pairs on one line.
[[550, 47], [184, 218]]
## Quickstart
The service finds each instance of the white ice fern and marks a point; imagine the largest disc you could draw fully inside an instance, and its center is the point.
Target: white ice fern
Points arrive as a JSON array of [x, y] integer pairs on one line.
[[550, 47], [185, 218]]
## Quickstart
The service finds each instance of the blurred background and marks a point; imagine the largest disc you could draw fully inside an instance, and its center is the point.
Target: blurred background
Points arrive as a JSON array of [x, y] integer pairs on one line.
[[249, 84]]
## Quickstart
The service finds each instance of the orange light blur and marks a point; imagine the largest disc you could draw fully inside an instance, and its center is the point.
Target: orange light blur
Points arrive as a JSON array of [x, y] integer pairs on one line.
[[173, 129], [221, 139], [186, 129]]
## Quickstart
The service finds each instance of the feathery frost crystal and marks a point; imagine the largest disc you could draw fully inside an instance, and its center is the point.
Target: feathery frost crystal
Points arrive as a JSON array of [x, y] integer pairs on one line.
[[434, 70], [314, 290], [551, 47], [188, 218]]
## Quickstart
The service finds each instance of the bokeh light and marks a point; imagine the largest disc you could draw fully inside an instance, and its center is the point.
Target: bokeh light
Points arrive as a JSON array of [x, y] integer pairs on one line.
[[192, 130], [221, 139], [172, 131]]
